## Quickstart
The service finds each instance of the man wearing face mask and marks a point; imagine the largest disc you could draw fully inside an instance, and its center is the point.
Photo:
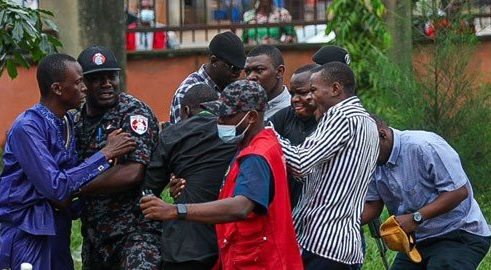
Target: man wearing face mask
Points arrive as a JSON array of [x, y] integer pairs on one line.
[[116, 236], [146, 41], [226, 61], [252, 216]]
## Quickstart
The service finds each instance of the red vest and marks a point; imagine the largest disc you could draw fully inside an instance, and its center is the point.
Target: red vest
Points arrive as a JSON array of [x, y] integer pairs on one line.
[[261, 241], [159, 39]]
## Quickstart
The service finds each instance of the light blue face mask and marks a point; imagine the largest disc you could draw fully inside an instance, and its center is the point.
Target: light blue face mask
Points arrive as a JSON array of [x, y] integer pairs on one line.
[[228, 132], [147, 15]]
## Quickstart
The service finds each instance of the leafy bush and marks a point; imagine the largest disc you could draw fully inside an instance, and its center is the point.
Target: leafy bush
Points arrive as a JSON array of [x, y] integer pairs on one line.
[[444, 95], [362, 31], [21, 35]]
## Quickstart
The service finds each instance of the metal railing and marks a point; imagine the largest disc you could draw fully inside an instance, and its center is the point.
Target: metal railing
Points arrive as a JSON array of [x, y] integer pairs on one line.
[[482, 18], [193, 23]]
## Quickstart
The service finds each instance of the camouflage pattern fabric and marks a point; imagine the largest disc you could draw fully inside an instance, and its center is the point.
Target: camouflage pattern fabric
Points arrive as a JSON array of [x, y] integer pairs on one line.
[[239, 96], [135, 251], [114, 230]]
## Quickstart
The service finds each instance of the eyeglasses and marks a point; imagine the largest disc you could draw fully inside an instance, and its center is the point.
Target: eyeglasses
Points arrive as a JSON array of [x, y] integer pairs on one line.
[[231, 67]]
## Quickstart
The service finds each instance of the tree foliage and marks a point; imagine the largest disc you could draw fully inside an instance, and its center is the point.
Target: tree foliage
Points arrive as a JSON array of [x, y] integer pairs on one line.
[[360, 28], [445, 95], [22, 40], [440, 92]]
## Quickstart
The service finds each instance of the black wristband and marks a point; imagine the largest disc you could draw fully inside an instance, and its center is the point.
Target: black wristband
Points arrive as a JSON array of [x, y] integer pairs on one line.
[[182, 211]]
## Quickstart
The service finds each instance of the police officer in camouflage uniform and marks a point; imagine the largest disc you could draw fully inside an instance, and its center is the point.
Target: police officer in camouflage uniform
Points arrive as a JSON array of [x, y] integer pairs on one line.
[[116, 236]]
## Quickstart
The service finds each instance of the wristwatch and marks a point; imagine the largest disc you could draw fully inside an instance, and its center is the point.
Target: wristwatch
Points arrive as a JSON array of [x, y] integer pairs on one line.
[[417, 217], [182, 211]]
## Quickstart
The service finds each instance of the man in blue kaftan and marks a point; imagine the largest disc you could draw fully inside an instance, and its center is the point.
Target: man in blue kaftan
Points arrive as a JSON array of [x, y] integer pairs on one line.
[[41, 171]]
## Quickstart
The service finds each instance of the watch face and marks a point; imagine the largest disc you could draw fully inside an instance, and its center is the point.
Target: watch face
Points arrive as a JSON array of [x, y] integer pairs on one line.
[[417, 217]]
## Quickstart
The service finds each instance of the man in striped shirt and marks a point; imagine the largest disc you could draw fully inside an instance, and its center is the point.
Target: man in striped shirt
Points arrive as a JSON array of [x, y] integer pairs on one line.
[[339, 157]]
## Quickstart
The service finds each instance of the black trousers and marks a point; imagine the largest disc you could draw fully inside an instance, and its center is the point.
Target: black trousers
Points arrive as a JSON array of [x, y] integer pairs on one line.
[[312, 261], [457, 250]]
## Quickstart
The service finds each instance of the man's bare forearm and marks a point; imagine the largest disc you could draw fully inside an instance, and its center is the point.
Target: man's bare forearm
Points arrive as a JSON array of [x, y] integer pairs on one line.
[[371, 210], [220, 211], [444, 203]]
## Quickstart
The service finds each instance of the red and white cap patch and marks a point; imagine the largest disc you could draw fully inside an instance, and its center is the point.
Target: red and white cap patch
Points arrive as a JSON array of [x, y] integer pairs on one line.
[[98, 59], [139, 124]]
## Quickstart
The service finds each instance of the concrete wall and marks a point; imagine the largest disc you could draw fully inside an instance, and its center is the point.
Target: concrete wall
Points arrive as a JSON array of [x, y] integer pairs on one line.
[[154, 78], [66, 17]]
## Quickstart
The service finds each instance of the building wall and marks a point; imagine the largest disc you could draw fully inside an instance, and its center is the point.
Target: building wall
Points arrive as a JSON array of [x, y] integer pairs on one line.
[[66, 17], [154, 78]]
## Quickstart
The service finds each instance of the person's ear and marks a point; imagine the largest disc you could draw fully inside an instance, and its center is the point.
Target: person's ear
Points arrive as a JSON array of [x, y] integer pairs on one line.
[[186, 112], [213, 60], [56, 88], [382, 133], [337, 89], [280, 72], [252, 117]]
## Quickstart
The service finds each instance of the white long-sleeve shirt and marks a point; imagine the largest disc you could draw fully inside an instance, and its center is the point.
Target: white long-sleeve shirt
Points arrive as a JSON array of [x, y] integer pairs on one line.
[[339, 157]]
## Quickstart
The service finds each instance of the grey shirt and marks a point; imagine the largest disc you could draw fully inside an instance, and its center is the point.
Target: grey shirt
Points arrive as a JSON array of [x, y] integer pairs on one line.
[[281, 101]]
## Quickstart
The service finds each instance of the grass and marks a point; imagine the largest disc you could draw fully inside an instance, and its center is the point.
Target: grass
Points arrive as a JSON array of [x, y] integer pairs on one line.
[[76, 241], [373, 260]]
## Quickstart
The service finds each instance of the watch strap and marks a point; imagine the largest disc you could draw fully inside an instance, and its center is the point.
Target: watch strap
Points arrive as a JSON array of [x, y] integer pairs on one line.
[[182, 211]]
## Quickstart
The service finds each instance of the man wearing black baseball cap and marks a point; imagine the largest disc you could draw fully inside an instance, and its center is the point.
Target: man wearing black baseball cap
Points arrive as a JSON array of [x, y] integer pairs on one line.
[[252, 215], [226, 61], [115, 235], [331, 53]]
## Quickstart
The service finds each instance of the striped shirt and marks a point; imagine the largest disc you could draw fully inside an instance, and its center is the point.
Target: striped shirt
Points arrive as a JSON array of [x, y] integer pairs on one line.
[[199, 76], [339, 158]]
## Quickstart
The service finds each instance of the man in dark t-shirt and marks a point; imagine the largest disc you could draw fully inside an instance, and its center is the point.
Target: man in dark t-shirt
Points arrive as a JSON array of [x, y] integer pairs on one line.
[[297, 122]]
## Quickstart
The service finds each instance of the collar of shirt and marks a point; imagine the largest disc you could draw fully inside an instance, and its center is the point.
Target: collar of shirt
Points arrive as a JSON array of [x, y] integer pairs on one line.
[[354, 100], [280, 98], [396, 147], [49, 115], [209, 81], [63, 129]]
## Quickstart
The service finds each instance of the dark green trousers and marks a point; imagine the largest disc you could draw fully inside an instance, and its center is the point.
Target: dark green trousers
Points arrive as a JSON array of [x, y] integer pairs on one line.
[[457, 250]]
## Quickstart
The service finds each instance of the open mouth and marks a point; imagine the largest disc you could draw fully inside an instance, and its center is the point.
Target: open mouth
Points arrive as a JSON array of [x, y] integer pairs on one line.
[[107, 95], [298, 107]]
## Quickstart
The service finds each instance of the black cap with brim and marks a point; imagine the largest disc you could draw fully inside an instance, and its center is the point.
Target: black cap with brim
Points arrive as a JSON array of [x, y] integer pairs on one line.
[[239, 96], [329, 54], [101, 69], [97, 59], [228, 47], [214, 107]]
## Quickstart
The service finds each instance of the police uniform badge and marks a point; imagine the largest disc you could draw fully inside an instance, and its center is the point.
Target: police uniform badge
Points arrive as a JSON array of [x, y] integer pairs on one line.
[[347, 59], [139, 124], [98, 59]]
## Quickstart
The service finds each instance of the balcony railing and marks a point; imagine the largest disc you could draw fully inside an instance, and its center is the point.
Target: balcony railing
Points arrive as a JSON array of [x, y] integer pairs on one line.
[[193, 23]]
